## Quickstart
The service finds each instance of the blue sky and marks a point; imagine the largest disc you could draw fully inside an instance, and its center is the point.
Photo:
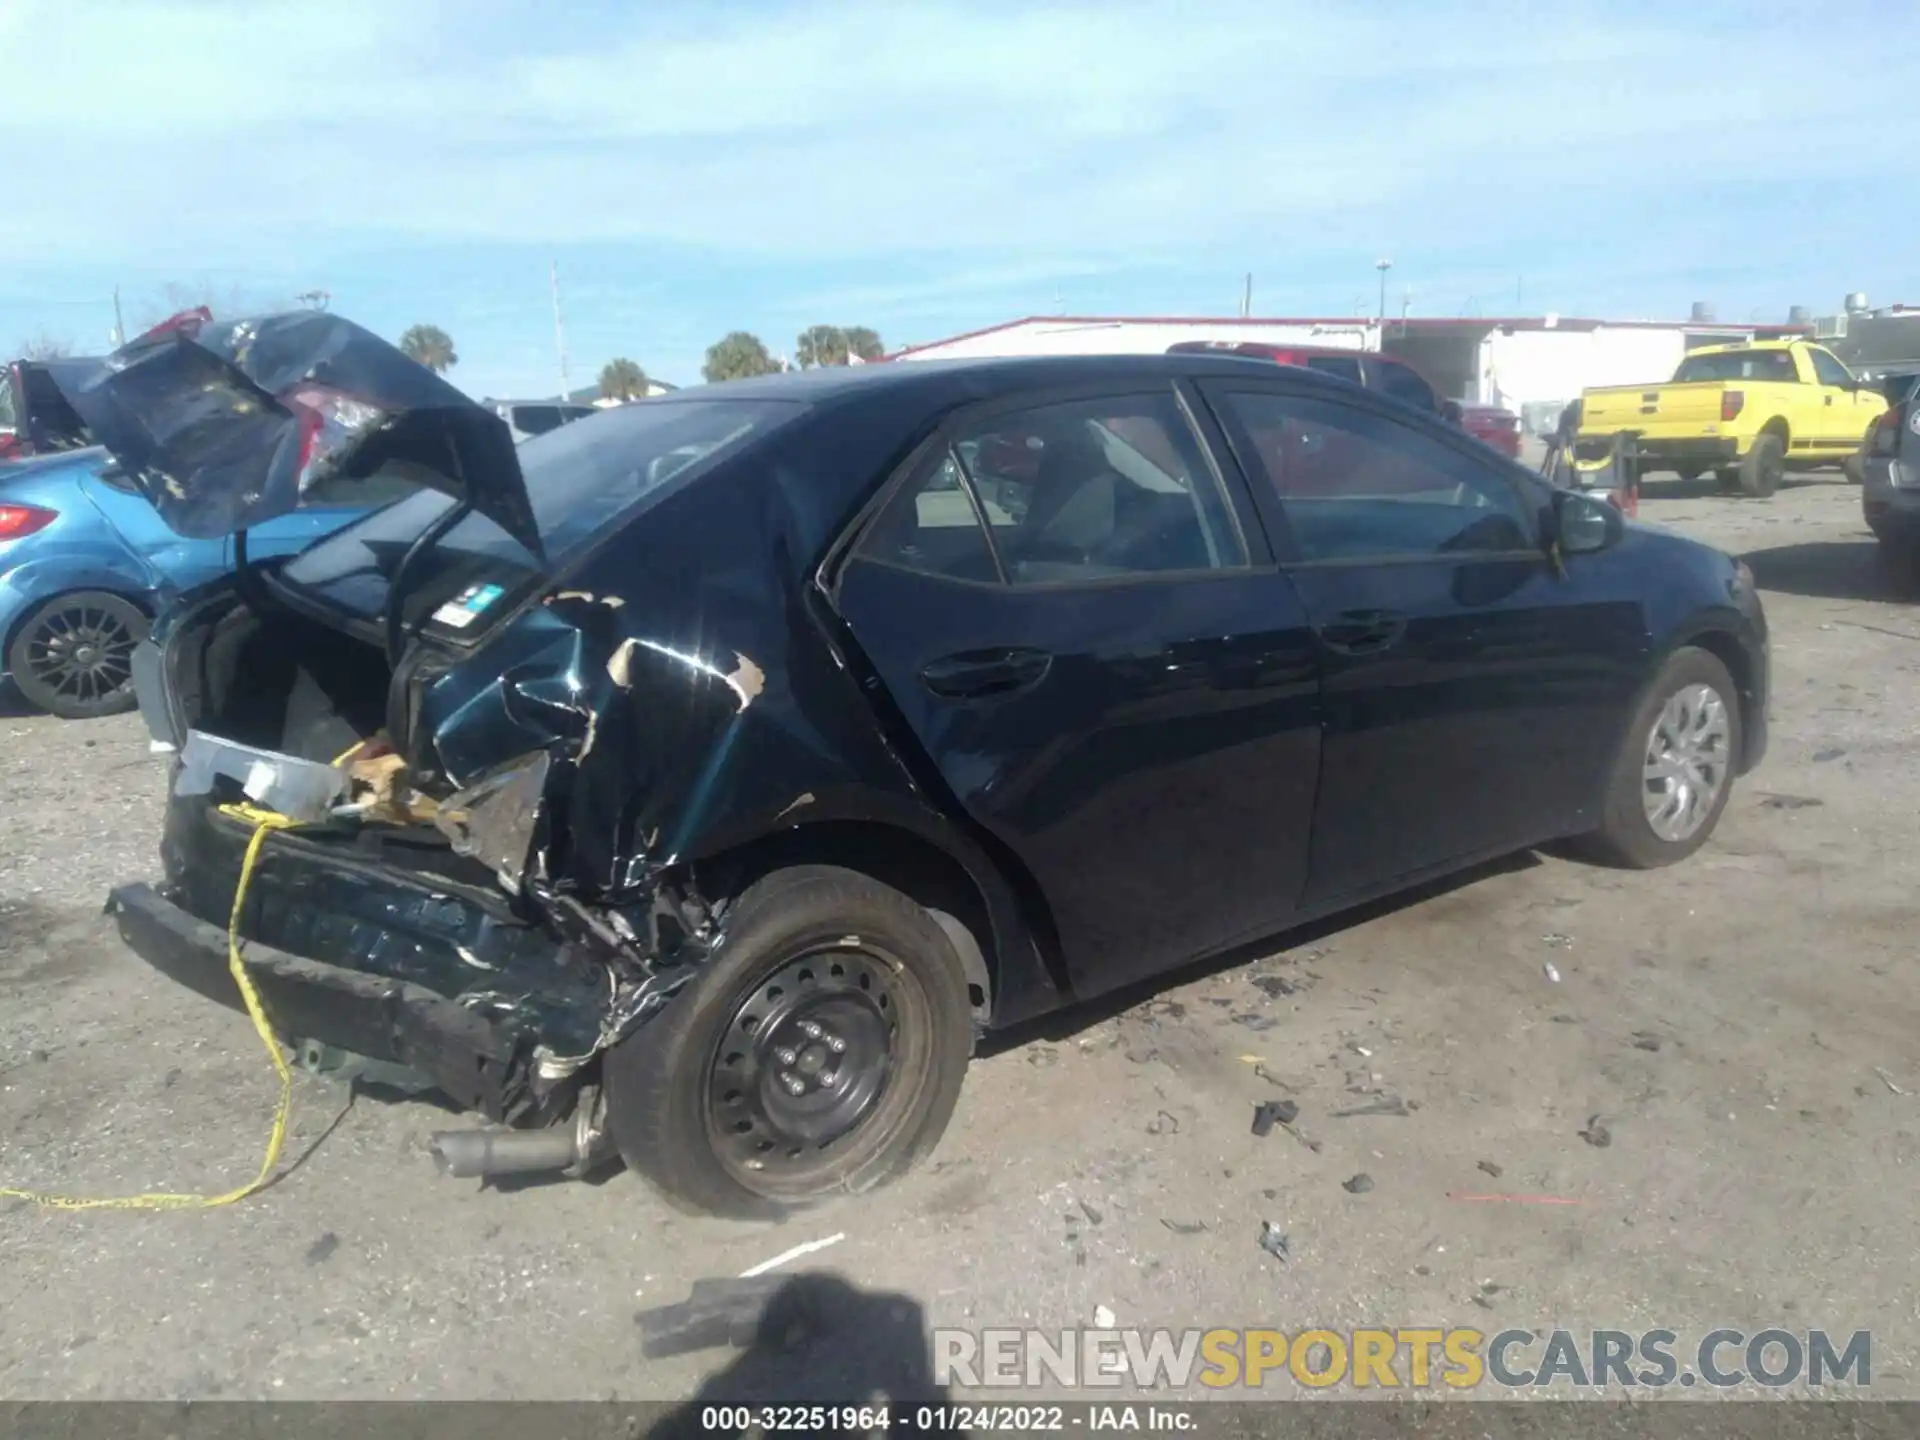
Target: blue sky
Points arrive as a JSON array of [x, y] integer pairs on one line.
[[925, 168]]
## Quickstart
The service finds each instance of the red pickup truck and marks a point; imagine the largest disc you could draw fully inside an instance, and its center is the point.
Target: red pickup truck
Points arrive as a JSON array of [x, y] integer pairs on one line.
[[1394, 378]]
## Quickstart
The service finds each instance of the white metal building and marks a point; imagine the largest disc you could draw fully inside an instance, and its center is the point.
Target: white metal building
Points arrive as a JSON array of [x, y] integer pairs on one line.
[[1532, 366], [1129, 335]]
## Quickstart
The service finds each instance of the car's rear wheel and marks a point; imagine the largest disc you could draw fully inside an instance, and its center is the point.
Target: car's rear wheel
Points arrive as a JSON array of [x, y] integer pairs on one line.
[[1762, 467], [1674, 772], [73, 656], [819, 1052]]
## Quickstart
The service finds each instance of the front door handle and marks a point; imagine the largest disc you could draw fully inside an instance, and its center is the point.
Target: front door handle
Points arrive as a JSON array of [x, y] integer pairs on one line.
[[978, 674], [1360, 632]]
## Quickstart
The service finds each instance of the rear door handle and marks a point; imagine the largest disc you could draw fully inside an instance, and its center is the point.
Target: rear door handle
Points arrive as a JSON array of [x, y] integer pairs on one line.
[[977, 674], [1357, 632]]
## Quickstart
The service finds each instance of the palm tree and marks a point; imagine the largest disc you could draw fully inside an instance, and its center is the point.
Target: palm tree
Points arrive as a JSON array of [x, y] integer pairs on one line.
[[736, 355], [622, 379], [864, 343], [820, 345], [430, 346]]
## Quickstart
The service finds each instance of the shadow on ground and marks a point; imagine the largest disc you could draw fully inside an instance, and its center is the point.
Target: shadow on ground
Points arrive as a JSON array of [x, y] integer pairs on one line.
[[812, 1340], [1672, 487], [1824, 570], [1065, 1024]]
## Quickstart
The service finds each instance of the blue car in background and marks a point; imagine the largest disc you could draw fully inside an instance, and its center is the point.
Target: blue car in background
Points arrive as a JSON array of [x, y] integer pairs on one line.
[[86, 563]]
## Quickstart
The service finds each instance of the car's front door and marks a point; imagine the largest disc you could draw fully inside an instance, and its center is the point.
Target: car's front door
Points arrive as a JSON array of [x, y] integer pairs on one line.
[[1070, 608], [1474, 689]]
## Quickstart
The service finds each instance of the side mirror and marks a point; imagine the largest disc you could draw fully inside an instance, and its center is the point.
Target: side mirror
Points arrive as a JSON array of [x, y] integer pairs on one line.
[[1585, 524], [1451, 413]]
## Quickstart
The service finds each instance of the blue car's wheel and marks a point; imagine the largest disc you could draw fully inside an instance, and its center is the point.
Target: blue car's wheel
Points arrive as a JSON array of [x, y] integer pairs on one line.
[[73, 657]]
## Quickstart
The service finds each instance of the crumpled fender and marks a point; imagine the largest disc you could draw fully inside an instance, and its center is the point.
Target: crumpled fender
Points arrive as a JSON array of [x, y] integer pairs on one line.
[[677, 727]]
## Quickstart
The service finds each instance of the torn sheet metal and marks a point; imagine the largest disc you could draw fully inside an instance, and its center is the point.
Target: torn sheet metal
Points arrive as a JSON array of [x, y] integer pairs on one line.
[[302, 790], [494, 820]]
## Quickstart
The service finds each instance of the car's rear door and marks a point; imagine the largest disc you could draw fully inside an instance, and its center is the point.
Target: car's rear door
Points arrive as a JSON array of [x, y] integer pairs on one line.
[[1073, 611], [1474, 691]]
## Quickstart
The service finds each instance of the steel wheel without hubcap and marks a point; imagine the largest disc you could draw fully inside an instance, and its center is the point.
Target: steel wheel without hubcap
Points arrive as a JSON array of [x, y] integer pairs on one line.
[[805, 1076], [74, 658], [1688, 754]]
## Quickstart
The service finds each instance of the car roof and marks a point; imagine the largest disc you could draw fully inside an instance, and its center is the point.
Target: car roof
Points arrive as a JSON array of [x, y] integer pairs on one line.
[[983, 378], [1287, 347]]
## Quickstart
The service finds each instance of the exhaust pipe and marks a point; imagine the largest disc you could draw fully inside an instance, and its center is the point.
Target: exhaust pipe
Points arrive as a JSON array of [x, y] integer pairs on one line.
[[465, 1154], [576, 1146]]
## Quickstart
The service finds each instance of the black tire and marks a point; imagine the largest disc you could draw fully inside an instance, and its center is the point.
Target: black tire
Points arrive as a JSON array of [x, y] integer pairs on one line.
[[1898, 560], [1854, 467], [1762, 467], [1626, 835], [1688, 473], [708, 1057], [72, 656]]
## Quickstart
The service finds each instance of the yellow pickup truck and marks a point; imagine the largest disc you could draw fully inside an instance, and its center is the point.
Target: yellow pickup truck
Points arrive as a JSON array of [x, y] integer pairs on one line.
[[1749, 413]]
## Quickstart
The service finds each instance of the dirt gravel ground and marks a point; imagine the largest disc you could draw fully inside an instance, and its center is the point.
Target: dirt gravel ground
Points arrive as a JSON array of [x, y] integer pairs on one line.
[[1743, 1028]]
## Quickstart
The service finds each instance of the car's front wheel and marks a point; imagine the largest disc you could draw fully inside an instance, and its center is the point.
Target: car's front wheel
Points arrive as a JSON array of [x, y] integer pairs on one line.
[[1674, 772], [73, 656], [819, 1052]]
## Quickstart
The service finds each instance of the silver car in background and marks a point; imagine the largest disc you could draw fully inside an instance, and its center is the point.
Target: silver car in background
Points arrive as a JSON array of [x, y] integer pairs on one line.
[[1890, 488]]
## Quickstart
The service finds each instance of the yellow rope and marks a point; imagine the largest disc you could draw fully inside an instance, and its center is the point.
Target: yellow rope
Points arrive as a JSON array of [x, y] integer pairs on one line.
[[265, 822]]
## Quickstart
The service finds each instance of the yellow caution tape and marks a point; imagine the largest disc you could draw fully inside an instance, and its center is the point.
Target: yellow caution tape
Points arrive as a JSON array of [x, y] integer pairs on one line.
[[264, 823]]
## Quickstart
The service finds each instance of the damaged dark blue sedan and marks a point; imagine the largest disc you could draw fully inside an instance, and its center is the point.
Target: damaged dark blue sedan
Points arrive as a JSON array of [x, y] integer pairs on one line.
[[696, 781]]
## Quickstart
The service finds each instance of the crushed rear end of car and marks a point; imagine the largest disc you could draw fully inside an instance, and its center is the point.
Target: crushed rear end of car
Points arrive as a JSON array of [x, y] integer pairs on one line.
[[457, 889]]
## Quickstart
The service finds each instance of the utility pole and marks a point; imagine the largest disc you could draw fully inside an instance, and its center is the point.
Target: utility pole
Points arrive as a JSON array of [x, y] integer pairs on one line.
[[1246, 298], [1383, 266], [119, 325], [560, 333]]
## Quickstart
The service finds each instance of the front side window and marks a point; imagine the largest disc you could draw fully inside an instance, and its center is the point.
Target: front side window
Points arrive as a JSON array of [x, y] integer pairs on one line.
[[1357, 485], [1829, 371]]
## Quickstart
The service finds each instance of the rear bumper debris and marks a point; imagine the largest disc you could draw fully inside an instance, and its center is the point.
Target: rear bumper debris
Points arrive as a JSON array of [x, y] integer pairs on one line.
[[461, 1052]]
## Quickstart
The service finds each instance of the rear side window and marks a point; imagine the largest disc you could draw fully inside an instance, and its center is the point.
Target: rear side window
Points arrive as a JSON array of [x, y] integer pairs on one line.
[[1083, 490], [1355, 485], [1397, 382], [1737, 365], [931, 526]]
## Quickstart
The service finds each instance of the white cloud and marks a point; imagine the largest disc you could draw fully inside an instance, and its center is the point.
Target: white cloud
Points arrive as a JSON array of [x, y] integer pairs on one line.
[[1116, 133]]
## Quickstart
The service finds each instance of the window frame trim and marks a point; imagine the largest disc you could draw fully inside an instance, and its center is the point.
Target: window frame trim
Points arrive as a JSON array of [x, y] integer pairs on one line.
[[1529, 491]]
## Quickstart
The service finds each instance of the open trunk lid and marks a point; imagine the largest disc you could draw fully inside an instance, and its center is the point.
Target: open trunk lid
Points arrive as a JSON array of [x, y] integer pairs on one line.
[[225, 425]]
